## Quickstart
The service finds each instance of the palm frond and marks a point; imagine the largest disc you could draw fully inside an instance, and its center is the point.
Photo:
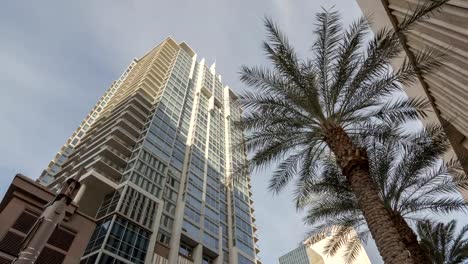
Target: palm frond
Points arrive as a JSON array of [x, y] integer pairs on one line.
[[328, 30], [402, 110], [348, 58], [441, 243], [343, 235], [352, 249], [347, 83], [286, 63], [423, 11], [285, 171]]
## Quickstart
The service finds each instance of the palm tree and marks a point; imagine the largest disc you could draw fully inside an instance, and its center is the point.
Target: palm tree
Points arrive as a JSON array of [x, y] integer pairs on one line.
[[442, 244], [303, 109], [411, 181]]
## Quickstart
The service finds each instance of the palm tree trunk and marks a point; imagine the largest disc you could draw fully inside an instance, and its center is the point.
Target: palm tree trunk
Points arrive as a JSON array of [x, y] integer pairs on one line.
[[410, 239], [355, 167]]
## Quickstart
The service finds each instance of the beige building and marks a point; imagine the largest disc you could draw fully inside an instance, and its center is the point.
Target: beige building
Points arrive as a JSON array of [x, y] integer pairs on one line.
[[312, 253], [446, 88], [338, 258], [23, 203], [158, 157], [301, 255]]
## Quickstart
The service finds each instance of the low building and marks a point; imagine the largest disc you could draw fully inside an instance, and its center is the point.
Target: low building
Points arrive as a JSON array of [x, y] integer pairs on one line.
[[21, 206]]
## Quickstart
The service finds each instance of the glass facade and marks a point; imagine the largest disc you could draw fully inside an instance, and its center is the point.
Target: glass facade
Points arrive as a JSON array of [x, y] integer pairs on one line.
[[118, 236], [160, 145], [297, 256]]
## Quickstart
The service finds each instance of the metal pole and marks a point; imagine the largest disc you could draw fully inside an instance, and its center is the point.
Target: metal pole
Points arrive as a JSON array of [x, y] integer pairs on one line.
[[51, 217]]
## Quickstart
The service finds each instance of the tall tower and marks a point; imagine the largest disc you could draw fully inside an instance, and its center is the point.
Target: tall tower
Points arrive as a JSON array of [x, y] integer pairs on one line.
[[301, 255], [313, 253], [159, 150]]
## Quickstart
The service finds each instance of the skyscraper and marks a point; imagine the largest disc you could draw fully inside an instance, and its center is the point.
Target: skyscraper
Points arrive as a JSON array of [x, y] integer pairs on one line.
[[301, 255], [159, 149], [313, 253]]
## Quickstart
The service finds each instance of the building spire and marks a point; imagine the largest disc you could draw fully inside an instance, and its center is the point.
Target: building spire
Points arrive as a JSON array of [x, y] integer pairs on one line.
[[213, 67]]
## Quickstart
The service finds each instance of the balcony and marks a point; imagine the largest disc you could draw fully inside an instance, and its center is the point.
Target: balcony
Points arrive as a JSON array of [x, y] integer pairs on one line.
[[108, 167], [115, 145], [97, 185], [124, 136], [120, 145], [116, 156], [133, 119], [142, 102], [183, 260], [130, 128], [252, 208], [255, 236], [111, 119], [160, 260], [99, 133], [103, 165], [137, 111]]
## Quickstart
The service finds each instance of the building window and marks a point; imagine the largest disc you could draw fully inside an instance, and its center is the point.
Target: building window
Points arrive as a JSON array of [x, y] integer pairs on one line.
[[244, 260], [207, 260], [192, 230], [97, 238], [185, 251], [163, 237], [210, 242], [128, 241]]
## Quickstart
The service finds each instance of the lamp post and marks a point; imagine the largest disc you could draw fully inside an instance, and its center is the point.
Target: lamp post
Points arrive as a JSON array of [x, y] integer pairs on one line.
[[53, 215]]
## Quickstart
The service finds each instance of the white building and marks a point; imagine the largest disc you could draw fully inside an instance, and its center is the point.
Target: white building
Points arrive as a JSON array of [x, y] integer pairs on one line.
[[157, 153]]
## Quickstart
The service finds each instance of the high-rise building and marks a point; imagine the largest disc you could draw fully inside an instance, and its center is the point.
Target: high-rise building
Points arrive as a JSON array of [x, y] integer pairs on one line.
[[445, 88], [301, 255], [159, 150], [313, 253]]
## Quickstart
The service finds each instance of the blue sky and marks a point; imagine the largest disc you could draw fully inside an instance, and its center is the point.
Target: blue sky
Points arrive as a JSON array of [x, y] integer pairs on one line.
[[58, 57]]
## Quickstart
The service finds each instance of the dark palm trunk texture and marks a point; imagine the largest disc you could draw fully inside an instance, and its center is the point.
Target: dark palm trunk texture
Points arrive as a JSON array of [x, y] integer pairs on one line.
[[355, 167], [410, 239]]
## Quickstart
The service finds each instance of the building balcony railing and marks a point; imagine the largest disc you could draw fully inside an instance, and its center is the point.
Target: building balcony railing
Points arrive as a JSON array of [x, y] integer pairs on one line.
[[183, 260], [160, 260], [115, 155], [137, 111], [125, 136], [130, 128], [252, 208], [133, 119], [255, 236], [107, 168], [111, 164], [124, 147], [100, 172]]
